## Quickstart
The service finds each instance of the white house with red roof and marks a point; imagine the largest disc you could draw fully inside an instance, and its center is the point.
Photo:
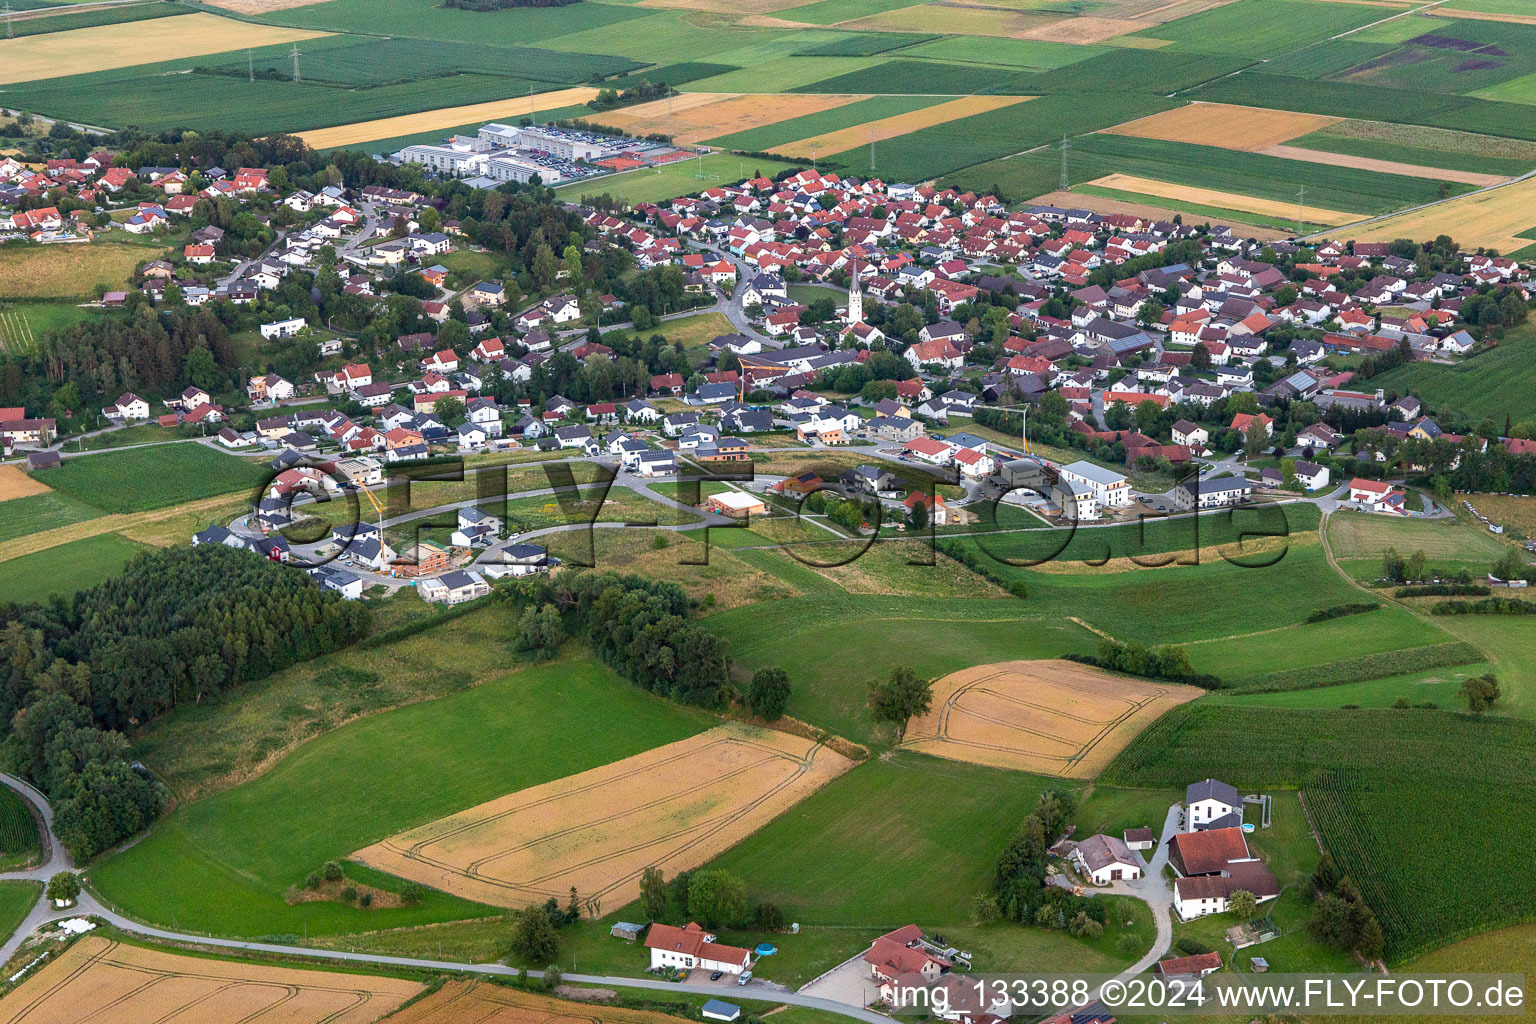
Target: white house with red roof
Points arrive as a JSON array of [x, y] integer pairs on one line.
[[1378, 496], [904, 951], [692, 948]]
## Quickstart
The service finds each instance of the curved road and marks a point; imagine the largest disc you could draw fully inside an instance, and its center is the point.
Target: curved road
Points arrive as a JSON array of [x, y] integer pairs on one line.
[[1151, 888]]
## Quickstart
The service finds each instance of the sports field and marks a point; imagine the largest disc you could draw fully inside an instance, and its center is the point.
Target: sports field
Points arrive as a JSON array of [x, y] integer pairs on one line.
[[1226, 125], [1230, 200], [1048, 717], [444, 118], [114, 46], [673, 807], [896, 125], [1492, 219], [104, 982]]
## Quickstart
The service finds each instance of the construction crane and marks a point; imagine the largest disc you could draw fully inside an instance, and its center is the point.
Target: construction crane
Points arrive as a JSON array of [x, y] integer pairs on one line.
[[745, 363]]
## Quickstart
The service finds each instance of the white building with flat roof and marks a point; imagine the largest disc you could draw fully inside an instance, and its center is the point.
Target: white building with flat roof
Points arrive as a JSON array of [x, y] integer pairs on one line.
[[1110, 489]]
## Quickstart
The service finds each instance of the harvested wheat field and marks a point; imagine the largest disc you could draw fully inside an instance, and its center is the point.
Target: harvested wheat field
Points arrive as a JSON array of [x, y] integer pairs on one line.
[[444, 117], [1084, 31], [103, 47], [16, 484], [98, 981], [891, 127], [1222, 200], [1250, 129], [958, 19], [476, 1002], [1456, 12], [674, 807], [1318, 156], [696, 116], [1048, 717], [1491, 219]]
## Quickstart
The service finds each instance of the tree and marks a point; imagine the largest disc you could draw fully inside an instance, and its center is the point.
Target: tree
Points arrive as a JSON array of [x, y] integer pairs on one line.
[[768, 696], [450, 410], [540, 630], [653, 894], [534, 938], [1480, 692], [917, 517], [1255, 437], [717, 898], [64, 886], [900, 697], [1243, 905], [1510, 566]]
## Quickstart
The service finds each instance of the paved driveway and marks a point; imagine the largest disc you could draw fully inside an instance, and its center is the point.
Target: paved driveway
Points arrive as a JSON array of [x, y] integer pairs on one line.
[[848, 983]]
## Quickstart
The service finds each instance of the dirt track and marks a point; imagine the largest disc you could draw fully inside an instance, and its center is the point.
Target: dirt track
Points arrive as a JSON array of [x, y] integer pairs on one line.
[[1047, 717], [674, 807]]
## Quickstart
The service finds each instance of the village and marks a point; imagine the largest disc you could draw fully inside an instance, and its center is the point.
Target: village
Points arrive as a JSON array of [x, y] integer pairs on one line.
[[1170, 369]]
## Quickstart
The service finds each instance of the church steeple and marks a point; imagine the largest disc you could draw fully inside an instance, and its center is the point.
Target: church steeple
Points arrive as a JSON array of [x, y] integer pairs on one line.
[[855, 297]]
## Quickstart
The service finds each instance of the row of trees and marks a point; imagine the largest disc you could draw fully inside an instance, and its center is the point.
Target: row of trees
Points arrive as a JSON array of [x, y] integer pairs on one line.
[[1019, 892], [1340, 916]]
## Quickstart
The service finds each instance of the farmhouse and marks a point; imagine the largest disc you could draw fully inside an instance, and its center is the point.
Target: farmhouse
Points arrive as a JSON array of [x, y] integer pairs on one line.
[[692, 948], [904, 951], [1211, 894], [1378, 496], [1105, 859], [1211, 803]]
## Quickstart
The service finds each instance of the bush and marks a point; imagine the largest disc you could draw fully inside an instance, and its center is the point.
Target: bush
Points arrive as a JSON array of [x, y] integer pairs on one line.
[[1191, 946], [413, 893], [349, 895], [1487, 606], [312, 881], [365, 900], [768, 696], [1444, 590], [1338, 611], [1166, 662], [332, 871]]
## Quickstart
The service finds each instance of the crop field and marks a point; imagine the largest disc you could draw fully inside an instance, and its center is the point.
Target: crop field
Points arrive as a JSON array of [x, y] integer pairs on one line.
[[829, 12], [141, 479], [1263, 29], [478, 1002], [377, 776], [1255, 175], [1487, 385], [894, 126], [1364, 775], [1221, 124], [758, 140], [1247, 660], [442, 120], [655, 185], [1028, 54], [865, 845], [428, 19], [864, 44], [1466, 57], [65, 568], [970, 21], [89, 17], [1493, 219], [904, 75], [67, 271], [932, 152], [14, 483], [697, 116], [673, 808], [108, 982], [357, 61], [1437, 685], [1228, 200], [19, 845], [1047, 717], [1384, 166], [120, 45]]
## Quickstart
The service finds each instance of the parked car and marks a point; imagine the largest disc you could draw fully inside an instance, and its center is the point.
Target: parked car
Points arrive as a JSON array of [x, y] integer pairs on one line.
[[746, 976], [715, 975]]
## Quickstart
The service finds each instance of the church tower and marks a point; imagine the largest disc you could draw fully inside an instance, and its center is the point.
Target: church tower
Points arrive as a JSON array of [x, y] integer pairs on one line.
[[855, 297]]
